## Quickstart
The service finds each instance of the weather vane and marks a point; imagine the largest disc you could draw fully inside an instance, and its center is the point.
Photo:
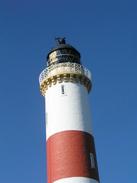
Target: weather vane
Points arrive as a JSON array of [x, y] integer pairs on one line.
[[60, 40]]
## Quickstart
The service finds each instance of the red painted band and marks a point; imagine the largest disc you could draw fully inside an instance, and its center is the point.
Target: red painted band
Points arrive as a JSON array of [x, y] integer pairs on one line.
[[71, 154]]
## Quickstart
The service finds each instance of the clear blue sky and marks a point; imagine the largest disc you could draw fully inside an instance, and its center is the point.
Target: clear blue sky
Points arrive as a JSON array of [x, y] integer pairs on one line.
[[105, 32]]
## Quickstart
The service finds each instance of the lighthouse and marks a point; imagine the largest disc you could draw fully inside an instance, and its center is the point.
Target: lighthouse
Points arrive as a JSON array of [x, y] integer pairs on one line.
[[65, 84]]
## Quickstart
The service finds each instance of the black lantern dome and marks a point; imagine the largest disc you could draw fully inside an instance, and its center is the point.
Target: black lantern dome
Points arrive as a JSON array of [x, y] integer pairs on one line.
[[63, 53]]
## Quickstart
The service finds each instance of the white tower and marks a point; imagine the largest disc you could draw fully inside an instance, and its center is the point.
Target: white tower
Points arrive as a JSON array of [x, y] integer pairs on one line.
[[65, 84]]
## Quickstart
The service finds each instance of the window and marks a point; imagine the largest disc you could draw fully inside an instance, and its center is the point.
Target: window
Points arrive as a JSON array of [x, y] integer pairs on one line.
[[92, 160], [62, 89]]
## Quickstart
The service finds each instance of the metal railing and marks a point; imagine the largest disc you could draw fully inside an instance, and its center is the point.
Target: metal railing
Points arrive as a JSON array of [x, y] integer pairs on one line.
[[61, 68]]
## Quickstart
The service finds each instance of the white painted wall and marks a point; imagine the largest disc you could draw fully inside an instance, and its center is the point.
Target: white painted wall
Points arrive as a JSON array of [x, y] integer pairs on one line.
[[76, 180], [69, 111]]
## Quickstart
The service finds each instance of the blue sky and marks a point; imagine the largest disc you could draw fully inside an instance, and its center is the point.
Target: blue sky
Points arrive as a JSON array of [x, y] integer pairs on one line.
[[105, 32]]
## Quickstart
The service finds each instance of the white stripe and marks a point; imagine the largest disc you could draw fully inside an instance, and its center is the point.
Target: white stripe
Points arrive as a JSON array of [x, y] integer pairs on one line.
[[76, 180], [68, 111]]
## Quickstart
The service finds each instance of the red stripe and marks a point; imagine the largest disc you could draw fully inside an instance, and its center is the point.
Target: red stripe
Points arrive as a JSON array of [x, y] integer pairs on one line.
[[68, 155]]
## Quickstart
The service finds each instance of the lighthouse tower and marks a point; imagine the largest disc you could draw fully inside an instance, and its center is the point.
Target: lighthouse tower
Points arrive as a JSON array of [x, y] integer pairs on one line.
[[65, 84]]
